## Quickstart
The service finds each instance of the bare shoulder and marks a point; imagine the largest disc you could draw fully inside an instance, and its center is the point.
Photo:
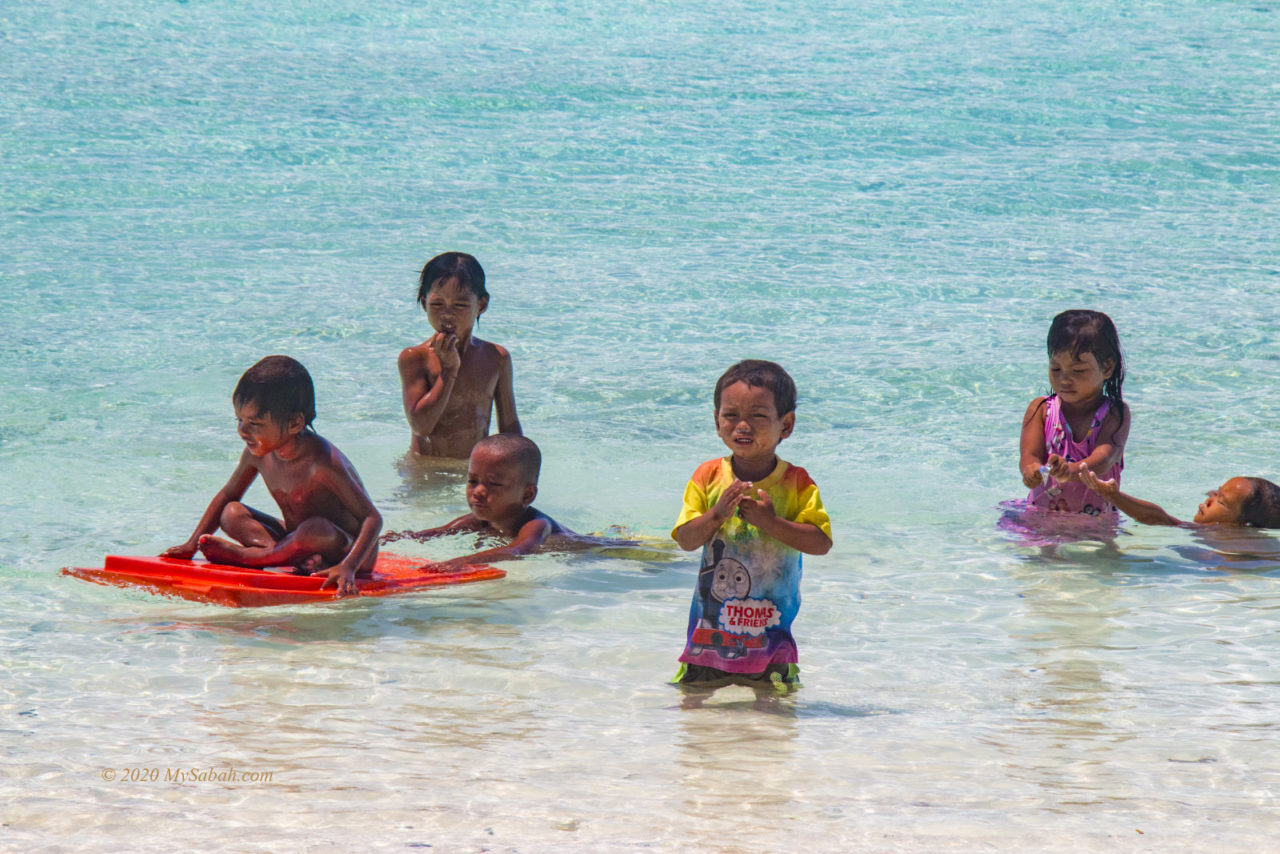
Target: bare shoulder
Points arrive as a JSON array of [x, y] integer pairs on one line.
[[327, 456], [490, 353], [1117, 421], [466, 522], [413, 356]]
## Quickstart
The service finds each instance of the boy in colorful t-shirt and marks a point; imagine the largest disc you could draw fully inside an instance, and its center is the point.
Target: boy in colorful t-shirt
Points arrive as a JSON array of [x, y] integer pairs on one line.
[[753, 515]]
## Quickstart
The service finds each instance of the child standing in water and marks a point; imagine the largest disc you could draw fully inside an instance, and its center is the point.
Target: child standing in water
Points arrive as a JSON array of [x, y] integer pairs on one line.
[[1084, 423], [752, 515], [452, 382]]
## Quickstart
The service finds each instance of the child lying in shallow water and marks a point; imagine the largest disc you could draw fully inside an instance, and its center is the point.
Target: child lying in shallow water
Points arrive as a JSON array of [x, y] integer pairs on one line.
[[1249, 501], [502, 481]]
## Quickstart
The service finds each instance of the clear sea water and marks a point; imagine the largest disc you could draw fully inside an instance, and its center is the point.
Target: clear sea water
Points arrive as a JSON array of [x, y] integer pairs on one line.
[[891, 200]]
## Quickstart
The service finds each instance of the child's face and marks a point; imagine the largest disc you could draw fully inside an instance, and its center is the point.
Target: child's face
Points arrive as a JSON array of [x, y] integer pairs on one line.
[[452, 308], [749, 425], [261, 433], [1077, 379], [497, 490], [1224, 505]]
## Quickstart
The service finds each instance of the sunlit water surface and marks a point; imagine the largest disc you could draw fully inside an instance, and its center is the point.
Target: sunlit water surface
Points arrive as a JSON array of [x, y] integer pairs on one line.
[[892, 202]]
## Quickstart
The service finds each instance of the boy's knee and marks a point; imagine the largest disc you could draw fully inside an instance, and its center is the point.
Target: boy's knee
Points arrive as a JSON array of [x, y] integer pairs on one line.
[[233, 513]]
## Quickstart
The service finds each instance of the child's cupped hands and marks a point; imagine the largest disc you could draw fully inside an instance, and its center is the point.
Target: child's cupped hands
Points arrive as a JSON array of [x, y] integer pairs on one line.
[[729, 500], [758, 510]]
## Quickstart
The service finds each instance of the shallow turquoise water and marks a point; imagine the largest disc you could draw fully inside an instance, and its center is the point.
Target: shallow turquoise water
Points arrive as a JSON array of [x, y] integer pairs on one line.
[[892, 202]]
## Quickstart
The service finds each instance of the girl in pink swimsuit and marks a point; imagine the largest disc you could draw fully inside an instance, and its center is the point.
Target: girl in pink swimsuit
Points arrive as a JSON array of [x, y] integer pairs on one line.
[[1084, 423]]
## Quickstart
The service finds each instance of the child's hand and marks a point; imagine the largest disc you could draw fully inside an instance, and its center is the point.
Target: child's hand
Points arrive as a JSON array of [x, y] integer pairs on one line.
[[1102, 487], [186, 551], [1060, 469], [455, 564], [758, 511], [341, 577], [728, 501], [444, 348], [1031, 476]]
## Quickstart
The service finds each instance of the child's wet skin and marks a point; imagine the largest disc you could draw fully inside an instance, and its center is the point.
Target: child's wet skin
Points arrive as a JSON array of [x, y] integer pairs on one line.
[[1224, 504], [749, 425]]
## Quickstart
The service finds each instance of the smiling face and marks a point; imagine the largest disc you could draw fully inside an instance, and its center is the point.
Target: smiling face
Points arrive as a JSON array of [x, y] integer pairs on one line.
[[498, 491], [453, 308], [261, 433], [1077, 378], [1225, 505], [749, 425]]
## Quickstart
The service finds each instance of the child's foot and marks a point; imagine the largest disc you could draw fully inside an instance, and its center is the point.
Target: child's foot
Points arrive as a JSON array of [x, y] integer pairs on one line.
[[311, 566], [219, 550]]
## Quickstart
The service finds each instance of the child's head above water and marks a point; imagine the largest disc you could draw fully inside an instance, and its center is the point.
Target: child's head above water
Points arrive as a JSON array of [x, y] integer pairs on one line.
[[1249, 501], [460, 266], [758, 373], [755, 410], [451, 291], [502, 476], [1081, 335], [512, 449], [278, 387]]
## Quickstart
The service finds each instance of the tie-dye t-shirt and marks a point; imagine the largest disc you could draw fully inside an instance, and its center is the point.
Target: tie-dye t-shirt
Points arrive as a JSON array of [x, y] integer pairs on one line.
[[748, 589]]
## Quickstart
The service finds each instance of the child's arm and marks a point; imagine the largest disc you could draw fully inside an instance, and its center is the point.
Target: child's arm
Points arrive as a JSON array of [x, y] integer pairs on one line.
[[504, 395], [1033, 452], [462, 523], [342, 479], [697, 532], [233, 490], [801, 536], [531, 535], [1107, 452], [1135, 508], [427, 376]]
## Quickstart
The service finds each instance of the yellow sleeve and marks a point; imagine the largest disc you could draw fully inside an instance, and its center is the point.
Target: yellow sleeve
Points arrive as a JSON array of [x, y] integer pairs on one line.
[[695, 504], [811, 510]]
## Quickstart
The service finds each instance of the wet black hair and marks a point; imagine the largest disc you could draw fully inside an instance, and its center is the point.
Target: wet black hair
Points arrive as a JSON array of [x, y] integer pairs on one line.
[[280, 387], [1083, 331], [451, 265], [1262, 508], [758, 373], [519, 450]]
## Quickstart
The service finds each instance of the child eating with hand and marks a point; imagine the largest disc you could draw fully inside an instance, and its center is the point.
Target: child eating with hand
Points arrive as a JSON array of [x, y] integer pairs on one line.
[[452, 382]]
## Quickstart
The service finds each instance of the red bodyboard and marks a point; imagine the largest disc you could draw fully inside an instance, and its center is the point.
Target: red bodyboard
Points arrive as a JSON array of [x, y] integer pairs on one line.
[[238, 587]]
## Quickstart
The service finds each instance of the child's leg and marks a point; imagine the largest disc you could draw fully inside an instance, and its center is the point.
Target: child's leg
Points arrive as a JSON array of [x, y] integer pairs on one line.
[[314, 537], [251, 527]]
